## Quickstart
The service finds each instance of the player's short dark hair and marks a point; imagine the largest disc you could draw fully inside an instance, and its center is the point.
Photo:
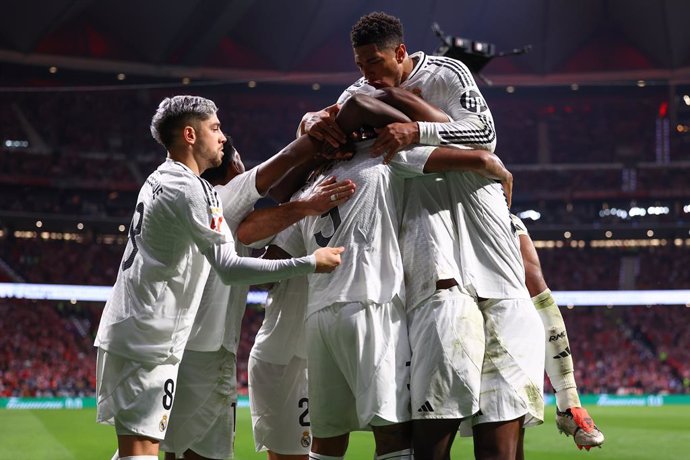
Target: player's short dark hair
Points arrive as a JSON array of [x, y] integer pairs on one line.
[[378, 28], [174, 113]]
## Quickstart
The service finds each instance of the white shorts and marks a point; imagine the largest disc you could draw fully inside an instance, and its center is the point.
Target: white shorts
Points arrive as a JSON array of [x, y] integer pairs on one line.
[[513, 371], [135, 397], [203, 417], [447, 340], [358, 363], [280, 406]]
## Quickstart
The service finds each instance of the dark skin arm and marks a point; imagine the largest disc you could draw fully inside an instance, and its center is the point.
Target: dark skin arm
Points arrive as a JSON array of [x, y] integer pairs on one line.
[[534, 278], [373, 111]]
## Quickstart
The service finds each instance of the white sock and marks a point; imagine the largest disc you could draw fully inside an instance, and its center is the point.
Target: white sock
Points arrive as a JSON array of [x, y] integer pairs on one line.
[[315, 456], [405, 454], [558, 361], [140, 457], [116, 455]]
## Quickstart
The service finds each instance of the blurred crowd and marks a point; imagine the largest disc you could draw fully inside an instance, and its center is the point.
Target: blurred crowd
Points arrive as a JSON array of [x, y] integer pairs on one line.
[[46, 348], [577, 156]]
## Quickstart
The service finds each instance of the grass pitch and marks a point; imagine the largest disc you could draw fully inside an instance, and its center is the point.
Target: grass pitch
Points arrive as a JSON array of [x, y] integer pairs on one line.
[[632, 433]]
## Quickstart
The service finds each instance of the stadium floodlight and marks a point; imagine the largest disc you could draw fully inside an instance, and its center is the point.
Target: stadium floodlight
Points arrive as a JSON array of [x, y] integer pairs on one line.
[[474, 54]]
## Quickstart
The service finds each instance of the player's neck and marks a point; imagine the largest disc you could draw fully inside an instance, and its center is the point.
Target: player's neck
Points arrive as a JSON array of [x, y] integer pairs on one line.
[[408, 65], [186, 159]]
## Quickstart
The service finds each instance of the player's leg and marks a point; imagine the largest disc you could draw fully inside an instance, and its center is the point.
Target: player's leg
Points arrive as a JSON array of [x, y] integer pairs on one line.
[[137, 399], [202, 421], [384, 400], [497, 440], [393, 441], [446, 335], [332, 403], [280, 408], [571, 418], [512, 376]]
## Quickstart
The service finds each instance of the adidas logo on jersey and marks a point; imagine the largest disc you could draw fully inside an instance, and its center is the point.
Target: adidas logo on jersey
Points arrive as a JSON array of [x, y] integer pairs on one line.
[[564, 354], [426, 407]]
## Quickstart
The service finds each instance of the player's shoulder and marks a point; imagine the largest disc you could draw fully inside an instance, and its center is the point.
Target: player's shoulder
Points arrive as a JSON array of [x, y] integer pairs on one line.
[[447, 68], [185, 187], [361, 86]]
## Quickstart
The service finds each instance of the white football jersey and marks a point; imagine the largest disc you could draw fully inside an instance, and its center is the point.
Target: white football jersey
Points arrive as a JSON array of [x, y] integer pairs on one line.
[[428, 241], [151, 308], [219, 318], [489, 247], [428, 234], [367, 226], [282, 336]]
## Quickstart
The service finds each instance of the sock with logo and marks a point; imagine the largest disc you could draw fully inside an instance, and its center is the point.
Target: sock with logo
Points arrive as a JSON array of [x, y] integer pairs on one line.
[[559, 361]]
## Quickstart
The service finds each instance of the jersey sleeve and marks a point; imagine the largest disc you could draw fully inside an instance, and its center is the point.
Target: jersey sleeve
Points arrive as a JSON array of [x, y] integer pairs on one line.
[[410, 162], [201, 212], [472, 124], [520, 228], [235, 269], [360, 86], [238, 197]]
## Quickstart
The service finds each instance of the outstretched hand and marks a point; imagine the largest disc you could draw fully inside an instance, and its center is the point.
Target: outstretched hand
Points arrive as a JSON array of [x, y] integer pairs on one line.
[[327, 259]]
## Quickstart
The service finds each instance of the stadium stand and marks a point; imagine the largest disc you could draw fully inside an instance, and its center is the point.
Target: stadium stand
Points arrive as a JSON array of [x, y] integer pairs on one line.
[[579, 160]]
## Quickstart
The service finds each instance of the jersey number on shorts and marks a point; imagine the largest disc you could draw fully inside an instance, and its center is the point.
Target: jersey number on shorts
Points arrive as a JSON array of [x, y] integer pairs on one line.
[[168, 391], [134, 230], [335, 218], [304, 416]]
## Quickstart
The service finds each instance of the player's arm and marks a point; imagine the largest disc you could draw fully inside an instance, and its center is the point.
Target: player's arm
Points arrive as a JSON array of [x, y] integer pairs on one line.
[[472, 124], [200, 210], [234, 269], [559, 362], [321, 125], [263, 223], [449, 159]]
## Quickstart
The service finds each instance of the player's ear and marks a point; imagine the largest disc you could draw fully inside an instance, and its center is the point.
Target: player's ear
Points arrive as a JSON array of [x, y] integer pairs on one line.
[[400, 52], [189, 134]]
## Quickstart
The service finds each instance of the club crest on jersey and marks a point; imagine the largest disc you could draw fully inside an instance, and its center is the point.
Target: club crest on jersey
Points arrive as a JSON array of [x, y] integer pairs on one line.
[[163, 423], [306, 439], [473, 101], [216, 218]]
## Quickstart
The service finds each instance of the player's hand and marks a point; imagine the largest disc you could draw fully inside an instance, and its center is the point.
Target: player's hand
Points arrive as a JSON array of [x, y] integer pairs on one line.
[[326, 195], [394, 137], [342, 152], [500, 172], [327, 259], [495, 169], [507, 184], [321, 125]]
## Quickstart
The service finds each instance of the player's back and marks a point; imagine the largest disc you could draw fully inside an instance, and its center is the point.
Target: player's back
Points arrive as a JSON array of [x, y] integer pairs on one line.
[[149, 313], [490, 257], [367, 226]]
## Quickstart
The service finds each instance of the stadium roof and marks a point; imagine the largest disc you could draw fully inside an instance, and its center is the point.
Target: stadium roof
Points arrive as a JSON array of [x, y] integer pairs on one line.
[[305, 41]]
